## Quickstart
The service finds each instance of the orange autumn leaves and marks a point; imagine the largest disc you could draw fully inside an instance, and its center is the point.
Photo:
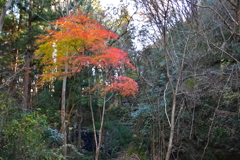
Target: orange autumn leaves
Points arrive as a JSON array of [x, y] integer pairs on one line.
[[79, 42], [124, 85]]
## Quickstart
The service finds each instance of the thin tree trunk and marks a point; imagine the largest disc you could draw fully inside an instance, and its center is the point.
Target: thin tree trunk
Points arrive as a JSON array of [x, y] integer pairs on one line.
[[26, 95], [93, 121], [101, 130], [63, 112], [238, 14], [169, 150], [13, 84], [79, 123], [174, 90], [16, 60], [3, 13]]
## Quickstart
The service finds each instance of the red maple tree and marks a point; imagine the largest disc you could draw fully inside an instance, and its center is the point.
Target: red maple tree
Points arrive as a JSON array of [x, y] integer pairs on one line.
[[79, 42]]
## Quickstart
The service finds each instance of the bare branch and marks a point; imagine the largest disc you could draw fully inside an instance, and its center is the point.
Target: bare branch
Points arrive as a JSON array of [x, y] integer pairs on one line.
[[232, 3], [149, 83], [126, 31], [224, 21], [229, 14], [164, 97]]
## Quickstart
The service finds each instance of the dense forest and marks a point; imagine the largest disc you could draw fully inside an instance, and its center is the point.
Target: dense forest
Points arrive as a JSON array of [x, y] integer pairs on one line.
[[146, 80]]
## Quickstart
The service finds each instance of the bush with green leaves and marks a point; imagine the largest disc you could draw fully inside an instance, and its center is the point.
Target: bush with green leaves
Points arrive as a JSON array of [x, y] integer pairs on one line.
[[23, 133]]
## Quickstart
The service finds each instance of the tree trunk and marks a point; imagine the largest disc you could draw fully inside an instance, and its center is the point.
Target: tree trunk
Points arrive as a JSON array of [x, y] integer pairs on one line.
[[26, 96], [63, 104], [3, 13], [100, 130], [169, 150], [93, 122], [79, 124], [63, 112], [238, 14]]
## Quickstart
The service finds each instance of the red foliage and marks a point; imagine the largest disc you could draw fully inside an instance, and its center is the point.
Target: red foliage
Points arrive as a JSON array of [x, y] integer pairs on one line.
[[114, 57], [79, 41], [124, 85]]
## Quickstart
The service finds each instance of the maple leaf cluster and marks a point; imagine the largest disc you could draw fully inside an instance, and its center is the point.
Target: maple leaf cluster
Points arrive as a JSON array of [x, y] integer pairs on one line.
[[78, 42], [124, 85]]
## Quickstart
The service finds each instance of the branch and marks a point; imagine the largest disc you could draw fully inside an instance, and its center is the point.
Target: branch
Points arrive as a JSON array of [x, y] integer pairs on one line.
[[211, 126], [232, 3], [225, 22], [211, 43], [165, 102], [11, 78], [212, 73], [149, 83], [126, 31], [182, 64], [213, 119], [229, 13], [225, 52]]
